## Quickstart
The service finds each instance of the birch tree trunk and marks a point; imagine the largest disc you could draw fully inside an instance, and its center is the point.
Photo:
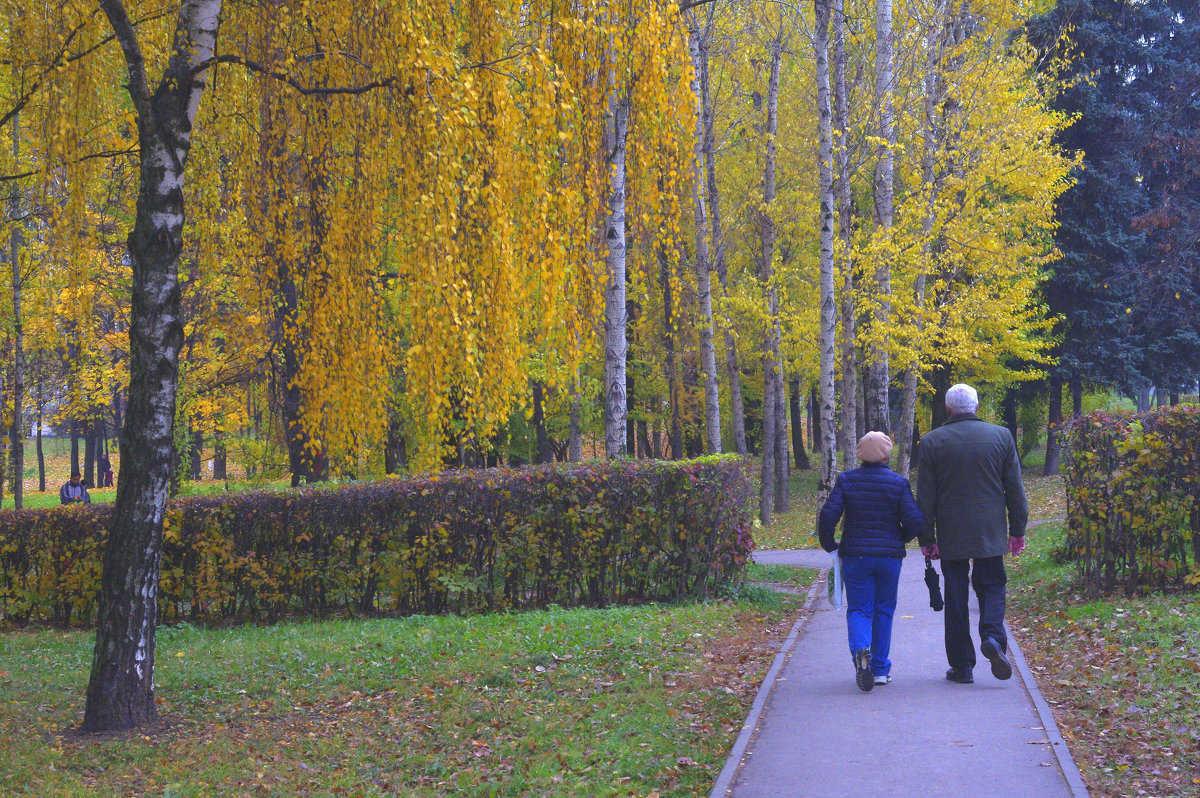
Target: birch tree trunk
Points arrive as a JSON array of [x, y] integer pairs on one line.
[[120, 692], [675, 435], [733, 369], [770, 358], [698, 50], [877, 396], [828, 468], [615, 315], [841, 101], [935, 38]]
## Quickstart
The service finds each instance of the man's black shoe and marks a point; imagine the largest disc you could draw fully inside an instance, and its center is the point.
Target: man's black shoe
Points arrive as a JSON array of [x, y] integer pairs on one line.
[[960, 675], [1001, 668], [862, 670]]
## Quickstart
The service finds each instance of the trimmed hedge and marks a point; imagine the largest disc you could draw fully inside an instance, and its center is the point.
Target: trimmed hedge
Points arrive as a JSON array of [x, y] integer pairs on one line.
[[466, 541], [1133, 498]]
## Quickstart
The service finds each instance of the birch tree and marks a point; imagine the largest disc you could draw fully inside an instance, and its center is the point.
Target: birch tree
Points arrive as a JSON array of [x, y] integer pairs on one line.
[[766, 224], [120, 692], [828, 451], [698, 50], [878, 414]]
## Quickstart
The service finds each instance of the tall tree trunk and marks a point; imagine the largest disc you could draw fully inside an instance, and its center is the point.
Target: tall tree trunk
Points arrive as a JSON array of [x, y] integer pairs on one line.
[[17, 434], [841, 102], [828, 336], [575, 434], [811, 405], [220, 457], [1008, 409], [932, 97], [818, 417], [545, 454], [196, 454], [878, 406], [616, 410], [733, 369], [1077, 397], [630, 425], [940, 379], [120, 692], [89, 453], [41, 455], [797, 408], [75, 446], [1052, 428], [668, 294], [783, 461], [698, 50], [766, 225]]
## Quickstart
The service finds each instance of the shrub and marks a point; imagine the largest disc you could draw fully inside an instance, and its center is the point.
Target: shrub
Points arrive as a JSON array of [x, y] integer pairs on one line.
[[466, 541], [1133, 498]]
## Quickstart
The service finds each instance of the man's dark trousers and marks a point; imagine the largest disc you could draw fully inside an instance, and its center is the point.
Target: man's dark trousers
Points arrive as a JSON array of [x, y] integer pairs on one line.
[[989, 580]]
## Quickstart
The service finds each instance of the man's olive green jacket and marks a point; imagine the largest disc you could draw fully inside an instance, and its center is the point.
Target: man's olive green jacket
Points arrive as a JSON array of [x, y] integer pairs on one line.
[[969, 488]]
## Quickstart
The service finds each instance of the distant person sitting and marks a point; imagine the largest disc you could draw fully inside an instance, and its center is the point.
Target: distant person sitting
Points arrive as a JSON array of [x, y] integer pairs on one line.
[[74, 492]]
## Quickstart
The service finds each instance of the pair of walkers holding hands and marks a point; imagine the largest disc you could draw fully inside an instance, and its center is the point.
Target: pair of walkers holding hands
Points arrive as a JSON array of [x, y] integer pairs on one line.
[[969, 511]]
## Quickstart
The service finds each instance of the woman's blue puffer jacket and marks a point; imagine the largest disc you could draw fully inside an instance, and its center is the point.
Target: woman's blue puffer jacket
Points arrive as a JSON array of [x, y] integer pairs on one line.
[[881, 514]]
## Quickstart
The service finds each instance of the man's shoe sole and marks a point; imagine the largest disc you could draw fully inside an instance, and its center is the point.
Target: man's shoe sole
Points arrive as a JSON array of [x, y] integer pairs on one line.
[[862, 670], [1001, 668]]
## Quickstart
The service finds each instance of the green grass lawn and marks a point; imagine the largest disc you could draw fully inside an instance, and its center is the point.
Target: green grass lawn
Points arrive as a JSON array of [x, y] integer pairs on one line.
[[1122, 674], [625, 701]]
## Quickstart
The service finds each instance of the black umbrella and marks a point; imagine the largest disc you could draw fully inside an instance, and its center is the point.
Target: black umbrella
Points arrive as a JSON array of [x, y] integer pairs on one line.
[[935, 587]]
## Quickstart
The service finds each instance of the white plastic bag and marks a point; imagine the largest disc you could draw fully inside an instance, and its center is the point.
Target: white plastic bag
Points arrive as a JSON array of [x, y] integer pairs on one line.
[[835, 581]]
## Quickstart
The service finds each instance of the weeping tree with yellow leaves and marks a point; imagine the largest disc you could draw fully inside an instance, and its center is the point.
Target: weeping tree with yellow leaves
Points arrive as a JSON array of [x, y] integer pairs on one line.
[[370, 191]]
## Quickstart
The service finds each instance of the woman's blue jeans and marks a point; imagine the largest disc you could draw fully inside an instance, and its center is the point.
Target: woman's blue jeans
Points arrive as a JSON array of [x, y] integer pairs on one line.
[[870, 604]]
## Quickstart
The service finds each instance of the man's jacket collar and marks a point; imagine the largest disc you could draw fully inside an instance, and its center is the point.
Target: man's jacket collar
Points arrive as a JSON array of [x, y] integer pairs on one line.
[[957, 417]]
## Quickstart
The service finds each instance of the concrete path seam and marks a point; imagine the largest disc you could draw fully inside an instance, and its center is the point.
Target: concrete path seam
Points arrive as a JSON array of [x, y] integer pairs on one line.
[[734, 760], [1065, 761]]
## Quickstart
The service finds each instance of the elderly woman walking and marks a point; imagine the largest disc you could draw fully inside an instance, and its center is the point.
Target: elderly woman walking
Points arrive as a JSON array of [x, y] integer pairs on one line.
[[881, 516]]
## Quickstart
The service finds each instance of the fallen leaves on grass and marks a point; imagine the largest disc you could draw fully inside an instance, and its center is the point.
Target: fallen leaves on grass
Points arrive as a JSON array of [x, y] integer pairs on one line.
[[1124, 686]]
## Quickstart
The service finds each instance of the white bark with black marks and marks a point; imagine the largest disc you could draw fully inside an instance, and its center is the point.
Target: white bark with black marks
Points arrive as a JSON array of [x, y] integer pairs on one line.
[[935, 43], [878, 416], [841, 110], [828, 345], [733, 369], [698, 50], [120, 691], [770, 357], [616, 345]]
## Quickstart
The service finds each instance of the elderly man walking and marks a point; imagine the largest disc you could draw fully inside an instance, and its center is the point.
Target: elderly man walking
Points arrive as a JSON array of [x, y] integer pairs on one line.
[[969, 489]]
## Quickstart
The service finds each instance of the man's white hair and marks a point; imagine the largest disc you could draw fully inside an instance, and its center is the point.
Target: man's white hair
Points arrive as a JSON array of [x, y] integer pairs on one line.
[[962, 398]]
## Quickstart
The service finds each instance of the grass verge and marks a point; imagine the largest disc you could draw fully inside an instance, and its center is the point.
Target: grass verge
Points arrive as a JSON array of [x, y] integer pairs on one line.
[[625, 701], [1122, 674]]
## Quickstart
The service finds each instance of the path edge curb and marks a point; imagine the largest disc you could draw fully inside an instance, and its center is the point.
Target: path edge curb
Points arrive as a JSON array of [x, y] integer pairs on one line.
[[1062, 753], [733, 762]]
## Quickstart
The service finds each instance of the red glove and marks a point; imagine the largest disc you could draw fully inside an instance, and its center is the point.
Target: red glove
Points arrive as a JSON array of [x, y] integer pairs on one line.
[[930, 551], [1016, 545]]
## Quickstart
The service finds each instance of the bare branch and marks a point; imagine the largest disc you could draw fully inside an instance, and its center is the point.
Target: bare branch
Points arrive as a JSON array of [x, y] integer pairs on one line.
[[283, 77]]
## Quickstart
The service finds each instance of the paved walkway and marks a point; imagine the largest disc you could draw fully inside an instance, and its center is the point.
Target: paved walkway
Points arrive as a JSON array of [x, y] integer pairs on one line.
[[921, 735]]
